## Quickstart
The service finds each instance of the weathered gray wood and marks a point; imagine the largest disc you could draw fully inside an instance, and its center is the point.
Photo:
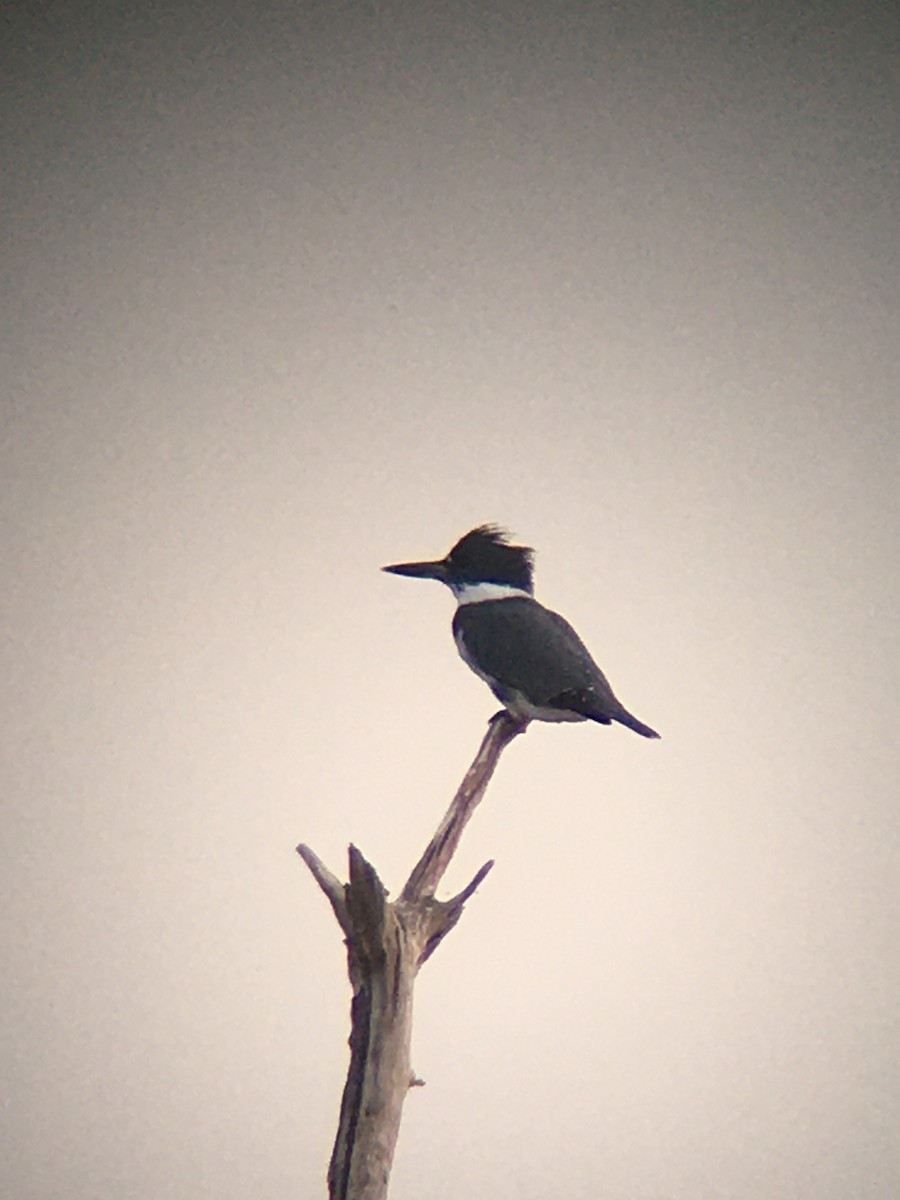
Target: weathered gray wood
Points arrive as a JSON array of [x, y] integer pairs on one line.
[[386, 945]]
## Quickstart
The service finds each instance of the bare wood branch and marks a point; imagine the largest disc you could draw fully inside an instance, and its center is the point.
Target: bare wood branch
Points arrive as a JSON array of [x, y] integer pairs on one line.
[[330, 885], [446, 913], [429, 870], [386, 945], [367, 906], [459, 900]]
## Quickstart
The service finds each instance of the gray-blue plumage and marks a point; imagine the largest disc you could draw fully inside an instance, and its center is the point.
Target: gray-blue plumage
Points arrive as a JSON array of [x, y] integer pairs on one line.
[[536, 664], [531, 658]]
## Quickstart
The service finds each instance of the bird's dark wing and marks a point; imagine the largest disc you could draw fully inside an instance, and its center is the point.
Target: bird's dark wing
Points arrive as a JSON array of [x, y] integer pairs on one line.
[[531, 649], [520, 646]]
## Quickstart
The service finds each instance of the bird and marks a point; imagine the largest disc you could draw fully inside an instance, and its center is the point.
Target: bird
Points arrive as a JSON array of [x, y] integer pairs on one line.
[[530, 657]]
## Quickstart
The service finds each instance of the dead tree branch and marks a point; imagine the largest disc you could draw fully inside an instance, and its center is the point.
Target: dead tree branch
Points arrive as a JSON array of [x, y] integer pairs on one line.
[[386, 945]]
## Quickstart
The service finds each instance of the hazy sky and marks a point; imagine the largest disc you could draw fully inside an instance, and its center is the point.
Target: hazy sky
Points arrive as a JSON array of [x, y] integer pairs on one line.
[[292, 292]]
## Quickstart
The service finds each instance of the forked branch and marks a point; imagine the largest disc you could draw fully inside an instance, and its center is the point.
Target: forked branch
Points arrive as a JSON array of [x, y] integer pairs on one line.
[[386, 945]]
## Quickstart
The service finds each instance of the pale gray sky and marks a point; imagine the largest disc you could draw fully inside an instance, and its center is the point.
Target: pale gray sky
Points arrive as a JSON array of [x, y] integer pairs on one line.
[[293, 292]]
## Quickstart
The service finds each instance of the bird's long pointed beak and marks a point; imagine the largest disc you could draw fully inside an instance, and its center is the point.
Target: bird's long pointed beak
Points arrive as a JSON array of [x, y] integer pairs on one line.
[[420, 570]]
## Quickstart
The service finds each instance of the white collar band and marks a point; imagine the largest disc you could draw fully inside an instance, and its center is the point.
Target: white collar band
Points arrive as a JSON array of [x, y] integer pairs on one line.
[[477, 593]]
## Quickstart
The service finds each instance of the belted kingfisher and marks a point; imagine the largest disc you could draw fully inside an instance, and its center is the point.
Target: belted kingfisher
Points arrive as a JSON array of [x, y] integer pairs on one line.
[[531, 658]]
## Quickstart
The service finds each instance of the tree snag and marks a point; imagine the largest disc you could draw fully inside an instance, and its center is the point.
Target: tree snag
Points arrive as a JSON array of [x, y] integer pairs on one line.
[[386, 944]]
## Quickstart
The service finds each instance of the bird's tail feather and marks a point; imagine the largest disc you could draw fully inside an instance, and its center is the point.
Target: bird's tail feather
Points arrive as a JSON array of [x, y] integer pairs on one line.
[[624, 717], [603, 709]]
